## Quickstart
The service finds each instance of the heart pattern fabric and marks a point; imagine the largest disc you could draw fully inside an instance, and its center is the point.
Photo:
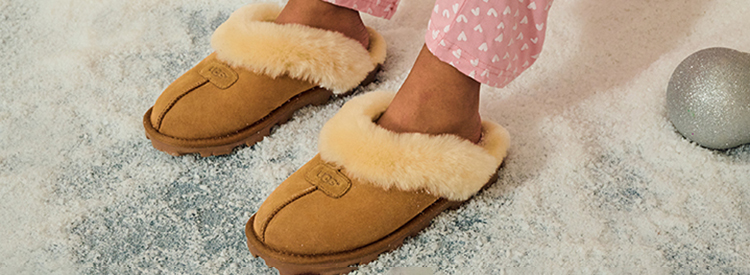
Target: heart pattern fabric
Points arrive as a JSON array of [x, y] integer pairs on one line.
[[497, 39], [491, 41]]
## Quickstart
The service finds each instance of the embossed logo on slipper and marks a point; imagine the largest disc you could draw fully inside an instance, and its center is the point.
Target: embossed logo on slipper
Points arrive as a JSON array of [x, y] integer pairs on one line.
[[329, 180], [219, 74]]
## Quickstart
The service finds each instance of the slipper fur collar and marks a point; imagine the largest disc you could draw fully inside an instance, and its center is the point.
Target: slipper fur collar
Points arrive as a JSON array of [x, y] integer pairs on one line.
[[251, 40], [443, 165]]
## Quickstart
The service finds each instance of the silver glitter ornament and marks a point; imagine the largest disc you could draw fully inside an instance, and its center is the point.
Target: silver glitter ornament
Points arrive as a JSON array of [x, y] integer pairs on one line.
[[708, 98]]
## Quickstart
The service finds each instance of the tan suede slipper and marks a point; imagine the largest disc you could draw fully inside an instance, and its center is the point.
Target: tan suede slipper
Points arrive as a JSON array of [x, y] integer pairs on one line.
[[259, 74], [367, 190]]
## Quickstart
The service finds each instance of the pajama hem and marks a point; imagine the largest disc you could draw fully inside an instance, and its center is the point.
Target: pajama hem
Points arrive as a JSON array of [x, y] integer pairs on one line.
[[491, 41]]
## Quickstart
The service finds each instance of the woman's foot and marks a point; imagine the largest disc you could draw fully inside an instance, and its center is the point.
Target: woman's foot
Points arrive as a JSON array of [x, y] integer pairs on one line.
[[324, 15], [435, 99]]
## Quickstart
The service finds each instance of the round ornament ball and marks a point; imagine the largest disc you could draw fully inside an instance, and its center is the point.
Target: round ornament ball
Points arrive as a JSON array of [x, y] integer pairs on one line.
[[708, 98]]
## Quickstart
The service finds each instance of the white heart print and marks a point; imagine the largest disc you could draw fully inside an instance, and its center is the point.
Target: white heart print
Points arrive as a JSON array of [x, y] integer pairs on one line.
[[462, 36], [475, 11], [457, 53], [499, 38], [458, 30], [507, 10], [483, 47]]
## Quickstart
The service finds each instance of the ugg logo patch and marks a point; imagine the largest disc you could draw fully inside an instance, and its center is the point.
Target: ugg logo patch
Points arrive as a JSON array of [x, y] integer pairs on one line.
[[219, 74], [329, 180]]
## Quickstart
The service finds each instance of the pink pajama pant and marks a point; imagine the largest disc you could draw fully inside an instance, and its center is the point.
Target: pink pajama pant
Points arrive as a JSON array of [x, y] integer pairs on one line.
[[491, 41]]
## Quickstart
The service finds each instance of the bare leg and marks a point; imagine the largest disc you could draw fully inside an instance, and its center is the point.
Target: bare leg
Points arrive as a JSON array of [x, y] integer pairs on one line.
[[323, 15], [435, 99]]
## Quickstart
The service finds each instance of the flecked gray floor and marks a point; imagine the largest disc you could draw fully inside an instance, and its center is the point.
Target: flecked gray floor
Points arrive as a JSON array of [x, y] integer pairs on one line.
[[597, 180]]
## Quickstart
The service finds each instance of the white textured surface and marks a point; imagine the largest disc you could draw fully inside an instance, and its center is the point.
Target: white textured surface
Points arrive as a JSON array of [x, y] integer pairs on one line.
[[597, 180]]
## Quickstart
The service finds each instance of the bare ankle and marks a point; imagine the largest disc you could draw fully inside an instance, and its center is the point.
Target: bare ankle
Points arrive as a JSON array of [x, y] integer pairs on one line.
[[466, 127], [435, 99], [323, 15]]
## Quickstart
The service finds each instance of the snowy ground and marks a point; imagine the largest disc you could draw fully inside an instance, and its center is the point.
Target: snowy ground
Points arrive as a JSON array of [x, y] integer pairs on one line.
[[597, 180]]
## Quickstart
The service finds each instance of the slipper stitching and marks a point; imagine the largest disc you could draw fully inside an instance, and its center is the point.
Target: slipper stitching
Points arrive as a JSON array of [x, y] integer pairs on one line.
[[267, 221], [171, 104]]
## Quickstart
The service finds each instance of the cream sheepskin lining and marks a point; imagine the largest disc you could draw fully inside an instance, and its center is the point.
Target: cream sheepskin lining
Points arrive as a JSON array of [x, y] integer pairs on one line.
[[329, 59], [445, 165]]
